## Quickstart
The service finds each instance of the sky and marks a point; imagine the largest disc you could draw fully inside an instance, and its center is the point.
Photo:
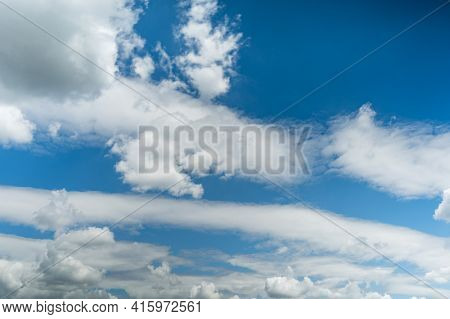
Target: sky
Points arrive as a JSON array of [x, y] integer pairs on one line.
[[370, 220]]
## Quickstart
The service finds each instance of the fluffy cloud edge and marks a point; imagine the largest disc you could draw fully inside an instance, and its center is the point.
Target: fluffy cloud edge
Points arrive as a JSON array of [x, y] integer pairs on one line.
[[394, 157], [14, 127]]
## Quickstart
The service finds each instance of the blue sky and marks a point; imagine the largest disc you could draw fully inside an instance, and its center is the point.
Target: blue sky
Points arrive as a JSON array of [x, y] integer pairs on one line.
[[286, 50]]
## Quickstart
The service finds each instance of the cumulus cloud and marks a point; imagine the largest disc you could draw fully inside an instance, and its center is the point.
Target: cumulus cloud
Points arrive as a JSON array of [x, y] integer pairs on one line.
[[284, 287], [65, 274], [174, 179], [11, 274], [205, 290], [442, 212], [34, 64], [14, 128], [143, 66], [91, 272], [211, 50], [111, 264], [68, 271], [162, 270], [58, 214], [408, 160], [53, 129]]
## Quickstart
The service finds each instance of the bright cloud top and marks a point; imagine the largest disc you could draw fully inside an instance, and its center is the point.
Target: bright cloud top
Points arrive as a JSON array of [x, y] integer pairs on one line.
[[14, 128], [211, 50], [443, 210]]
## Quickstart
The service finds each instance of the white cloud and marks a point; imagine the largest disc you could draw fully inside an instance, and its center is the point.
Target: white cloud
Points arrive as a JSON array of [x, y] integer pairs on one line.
[[107, 263], [441, 275], [107, 253], [68, 271], [443, 210], [10, 275], [290, 222], [211, 50], [408, 160], [53, 129], [14, 128], [81, 274], [33, 64], [178, 182], [284, 287], [211, 80], [205, 290], [163, 270], [58, 214], [143, 66], [90, 272]]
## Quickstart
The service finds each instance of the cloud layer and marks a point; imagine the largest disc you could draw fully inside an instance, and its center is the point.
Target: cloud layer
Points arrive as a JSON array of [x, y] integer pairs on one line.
[[293, 247]]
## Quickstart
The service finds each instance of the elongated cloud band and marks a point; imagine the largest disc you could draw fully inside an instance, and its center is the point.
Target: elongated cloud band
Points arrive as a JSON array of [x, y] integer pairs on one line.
[[296, 232]]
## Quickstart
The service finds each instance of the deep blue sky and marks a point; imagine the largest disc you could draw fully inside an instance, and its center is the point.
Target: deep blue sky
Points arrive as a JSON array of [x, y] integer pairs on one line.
[[290, 48], [294, 46]]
